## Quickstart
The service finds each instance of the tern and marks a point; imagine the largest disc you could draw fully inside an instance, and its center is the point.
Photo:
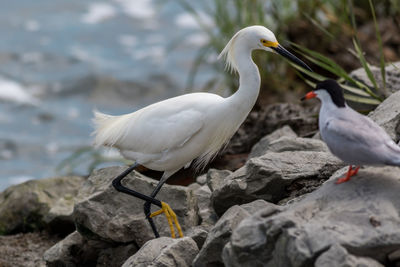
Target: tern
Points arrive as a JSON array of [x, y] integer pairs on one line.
[[350, 136], [190, 128]]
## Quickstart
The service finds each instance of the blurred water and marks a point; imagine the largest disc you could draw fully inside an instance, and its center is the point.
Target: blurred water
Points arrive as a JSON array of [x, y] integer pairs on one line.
[[60, 59]]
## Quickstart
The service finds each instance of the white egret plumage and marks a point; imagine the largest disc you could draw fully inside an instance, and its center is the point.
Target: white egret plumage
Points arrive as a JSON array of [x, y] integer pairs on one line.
[[352, 137], [173, 133]]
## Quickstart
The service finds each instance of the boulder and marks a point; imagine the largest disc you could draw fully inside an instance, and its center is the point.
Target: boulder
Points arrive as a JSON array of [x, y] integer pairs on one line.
[[75, 250], [270, 177], [103, 213], [215, 178], [205, 211], [201, 179], [387, 115], [337, 256], [260, 123], [198, 234], [210, 254], [261, 147], [286, 143], [70, 251], [164, 251], [392, 77], [362, 216], [39, 204]]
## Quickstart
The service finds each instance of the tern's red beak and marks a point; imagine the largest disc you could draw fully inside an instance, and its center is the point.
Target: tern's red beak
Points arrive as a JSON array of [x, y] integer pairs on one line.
[[309, 95]]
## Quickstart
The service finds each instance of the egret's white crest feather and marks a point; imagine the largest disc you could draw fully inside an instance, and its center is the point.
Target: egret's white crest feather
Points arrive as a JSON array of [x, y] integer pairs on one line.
[[227, 54]]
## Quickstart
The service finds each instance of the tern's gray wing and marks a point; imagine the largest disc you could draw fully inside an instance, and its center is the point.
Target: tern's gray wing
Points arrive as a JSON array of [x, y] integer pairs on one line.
[[356, 139]]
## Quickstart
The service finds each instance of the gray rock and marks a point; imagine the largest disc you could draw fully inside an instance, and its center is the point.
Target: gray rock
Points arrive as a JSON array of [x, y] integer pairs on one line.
[[337, 256], [210, 254], [198, 234], [392, 77], [205, 211], [296, 144], [274, 116], [201, 179], [387, 115], [37, 204], [115, 256], [361, 215], [164, 251], [262, 146], [75, 250], [269, 176], [215, 178], [103, 213]]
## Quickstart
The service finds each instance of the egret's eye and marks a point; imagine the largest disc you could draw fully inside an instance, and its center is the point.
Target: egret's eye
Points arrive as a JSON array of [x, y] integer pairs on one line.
[[267, 43]]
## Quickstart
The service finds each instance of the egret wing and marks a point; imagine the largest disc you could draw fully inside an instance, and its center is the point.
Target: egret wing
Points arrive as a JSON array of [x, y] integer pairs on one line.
[[158, 130]]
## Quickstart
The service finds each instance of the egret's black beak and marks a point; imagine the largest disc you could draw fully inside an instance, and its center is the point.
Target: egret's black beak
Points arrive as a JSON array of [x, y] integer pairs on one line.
[[283, 52]]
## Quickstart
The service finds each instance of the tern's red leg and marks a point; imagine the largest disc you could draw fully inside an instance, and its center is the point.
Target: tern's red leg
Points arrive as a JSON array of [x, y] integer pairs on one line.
[[350, 173], [355, 171]]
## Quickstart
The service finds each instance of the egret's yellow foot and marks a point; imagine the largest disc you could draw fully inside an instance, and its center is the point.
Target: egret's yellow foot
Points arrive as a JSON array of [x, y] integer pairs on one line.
[[171, 218]]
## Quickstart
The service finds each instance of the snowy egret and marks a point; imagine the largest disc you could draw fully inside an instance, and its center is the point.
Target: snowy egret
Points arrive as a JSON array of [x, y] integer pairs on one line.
[[352, 137], [173, 133]]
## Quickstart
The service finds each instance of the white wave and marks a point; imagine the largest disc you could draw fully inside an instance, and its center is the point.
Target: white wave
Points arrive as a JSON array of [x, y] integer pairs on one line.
[[15, 92], [127, 40], [140, 9], [99, 12], [188, 21], [197, 39], [156, 54], [32, 26]]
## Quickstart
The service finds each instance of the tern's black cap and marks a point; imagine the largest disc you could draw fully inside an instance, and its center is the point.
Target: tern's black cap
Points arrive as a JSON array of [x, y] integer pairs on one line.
[[334, 90]]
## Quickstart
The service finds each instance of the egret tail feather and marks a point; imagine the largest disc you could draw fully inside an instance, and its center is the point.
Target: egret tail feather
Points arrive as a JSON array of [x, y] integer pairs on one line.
[[108, 129]]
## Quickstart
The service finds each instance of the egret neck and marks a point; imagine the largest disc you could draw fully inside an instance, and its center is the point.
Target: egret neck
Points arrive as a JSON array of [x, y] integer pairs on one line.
[[249, 83]]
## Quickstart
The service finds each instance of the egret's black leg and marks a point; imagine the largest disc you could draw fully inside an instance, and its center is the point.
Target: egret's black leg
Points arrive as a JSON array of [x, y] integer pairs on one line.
[[149, 199], [147, 205]]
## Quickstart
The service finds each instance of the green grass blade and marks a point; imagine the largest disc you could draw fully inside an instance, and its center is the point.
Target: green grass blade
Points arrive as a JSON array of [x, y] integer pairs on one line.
[[378, 37], [314, 75], [365, 65], [319, 26], [355, 90], [364, 100]]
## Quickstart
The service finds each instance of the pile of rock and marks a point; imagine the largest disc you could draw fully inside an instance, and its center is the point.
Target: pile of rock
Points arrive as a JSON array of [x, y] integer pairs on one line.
[[282, 208]]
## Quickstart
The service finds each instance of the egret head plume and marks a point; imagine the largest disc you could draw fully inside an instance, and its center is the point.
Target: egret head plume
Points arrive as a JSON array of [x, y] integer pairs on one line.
[[250, 38]]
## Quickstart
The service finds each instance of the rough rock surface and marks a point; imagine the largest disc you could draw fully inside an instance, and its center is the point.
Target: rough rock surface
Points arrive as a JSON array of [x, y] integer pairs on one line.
[[103, 213], [205, 211], [392, 77], [37, 204], [286, 143], [164, 251], [25, 250], [261, 147], [210, 254], [260, 123], [75, 250], [216, 177], [198, 234], [269, 176], [337, 256], [387, 115], [361, 215]]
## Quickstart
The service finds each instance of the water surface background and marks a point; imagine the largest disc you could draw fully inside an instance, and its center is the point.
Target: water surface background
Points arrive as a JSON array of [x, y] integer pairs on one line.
[[61, 59]]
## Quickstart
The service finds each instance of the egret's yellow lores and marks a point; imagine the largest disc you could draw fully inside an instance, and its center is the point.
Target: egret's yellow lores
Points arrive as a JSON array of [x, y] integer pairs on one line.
[[171, 134]]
